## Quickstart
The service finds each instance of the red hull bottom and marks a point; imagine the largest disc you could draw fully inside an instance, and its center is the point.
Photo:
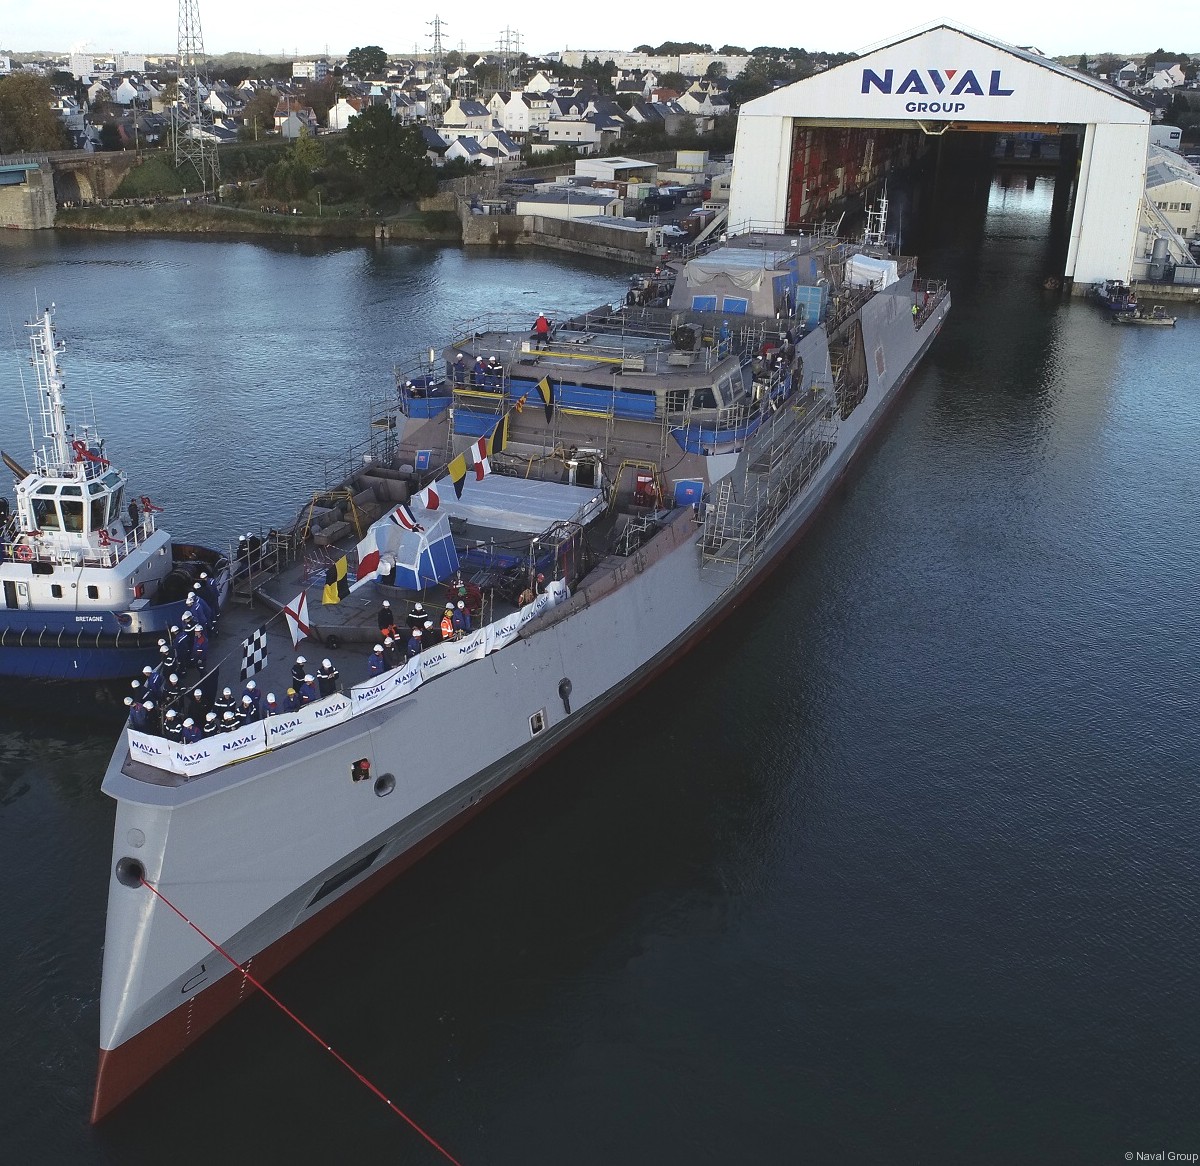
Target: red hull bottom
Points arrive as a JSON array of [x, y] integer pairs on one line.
[[125, 1069]]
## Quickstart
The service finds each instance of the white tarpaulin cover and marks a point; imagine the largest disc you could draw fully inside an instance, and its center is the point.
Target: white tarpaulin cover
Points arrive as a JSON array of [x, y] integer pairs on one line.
[[516, 504], [867, 271]]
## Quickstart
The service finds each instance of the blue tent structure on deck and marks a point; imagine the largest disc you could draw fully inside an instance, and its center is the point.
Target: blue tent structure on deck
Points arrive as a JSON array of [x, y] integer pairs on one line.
[[422, 557]]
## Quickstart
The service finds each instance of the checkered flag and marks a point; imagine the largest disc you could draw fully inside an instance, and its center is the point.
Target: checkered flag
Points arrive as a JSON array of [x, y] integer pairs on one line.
[[254, 653]]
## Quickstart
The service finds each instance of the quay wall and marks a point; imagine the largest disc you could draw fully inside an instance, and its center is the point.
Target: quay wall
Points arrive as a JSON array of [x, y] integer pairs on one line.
[[29, 205]]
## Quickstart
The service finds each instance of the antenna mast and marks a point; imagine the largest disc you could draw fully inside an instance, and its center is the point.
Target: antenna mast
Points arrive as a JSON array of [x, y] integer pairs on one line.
[[192, 117]]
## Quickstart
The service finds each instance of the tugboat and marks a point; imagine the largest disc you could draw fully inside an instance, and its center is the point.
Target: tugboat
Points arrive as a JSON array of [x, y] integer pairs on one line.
[[91, 583], [1116, 296]]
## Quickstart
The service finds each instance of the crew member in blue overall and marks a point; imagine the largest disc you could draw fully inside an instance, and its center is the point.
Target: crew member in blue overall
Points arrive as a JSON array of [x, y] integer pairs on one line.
[[208, 592], [142, 717], [200, 647], [196, 706], [291, 702], [376, 664], [246, 711], [181, 647], [327, 678], [308, 691], [251, 690], [191, 732], [459, 369], [271, 708], [462, 618], [201, 606], [414, 643], [224, 703]]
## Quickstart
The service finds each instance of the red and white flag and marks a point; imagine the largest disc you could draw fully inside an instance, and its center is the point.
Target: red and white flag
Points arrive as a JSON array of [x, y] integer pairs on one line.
[[428, 498], [403, 516], [295, 614], [368, 558], [479, 459]]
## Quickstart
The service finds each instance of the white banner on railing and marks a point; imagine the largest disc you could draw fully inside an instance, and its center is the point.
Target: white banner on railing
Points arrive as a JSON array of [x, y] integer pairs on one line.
[[220, 749], [387, 687], [502, 631], [451, 654], [149, 749], [285, 727]]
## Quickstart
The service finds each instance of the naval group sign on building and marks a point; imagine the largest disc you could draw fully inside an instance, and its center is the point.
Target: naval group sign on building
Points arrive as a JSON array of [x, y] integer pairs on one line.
[[945, 80]]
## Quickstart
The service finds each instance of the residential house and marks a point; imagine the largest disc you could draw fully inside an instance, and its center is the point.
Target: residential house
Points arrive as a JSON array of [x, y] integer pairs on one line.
[[465, 117], [540, 83], [224, 102], [504, 145], [435, 145], [291, 118], [343, 110], [470, 151], [580, 132]]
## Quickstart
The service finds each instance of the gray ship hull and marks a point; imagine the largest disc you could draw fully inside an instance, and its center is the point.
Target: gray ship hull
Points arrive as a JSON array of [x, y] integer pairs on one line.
[[268, 854]]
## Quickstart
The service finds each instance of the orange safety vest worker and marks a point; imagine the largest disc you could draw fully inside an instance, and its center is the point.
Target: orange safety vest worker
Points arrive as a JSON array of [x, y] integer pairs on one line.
[[447, 627]]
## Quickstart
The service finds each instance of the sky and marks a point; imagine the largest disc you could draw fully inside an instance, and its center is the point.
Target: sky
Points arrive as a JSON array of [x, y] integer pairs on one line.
[[307, 28]]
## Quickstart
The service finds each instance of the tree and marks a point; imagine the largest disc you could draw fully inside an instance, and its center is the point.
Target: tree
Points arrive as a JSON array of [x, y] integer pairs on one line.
[[732, 51], [26, 120], [715, 71], [110, 136], [306, 151], [452, 60], [259, 118], [320, 96], [391, 157], [1083, 63], [366, 61]]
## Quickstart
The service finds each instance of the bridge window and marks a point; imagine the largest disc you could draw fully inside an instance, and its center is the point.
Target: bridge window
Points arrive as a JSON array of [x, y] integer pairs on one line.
[[72, 512], [45, 514], [97, 513]]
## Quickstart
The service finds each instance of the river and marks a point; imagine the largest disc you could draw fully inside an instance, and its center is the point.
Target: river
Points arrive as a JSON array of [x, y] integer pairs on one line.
[[898, 867]]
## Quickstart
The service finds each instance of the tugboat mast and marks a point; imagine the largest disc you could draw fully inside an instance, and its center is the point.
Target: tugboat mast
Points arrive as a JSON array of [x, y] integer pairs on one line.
[[53, 410]]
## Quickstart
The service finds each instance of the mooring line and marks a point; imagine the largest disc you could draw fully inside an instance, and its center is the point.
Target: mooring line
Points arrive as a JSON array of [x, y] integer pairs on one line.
[[292, 1016]]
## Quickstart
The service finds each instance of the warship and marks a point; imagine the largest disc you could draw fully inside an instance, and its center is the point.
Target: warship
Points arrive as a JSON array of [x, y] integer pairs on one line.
[[554, 516]]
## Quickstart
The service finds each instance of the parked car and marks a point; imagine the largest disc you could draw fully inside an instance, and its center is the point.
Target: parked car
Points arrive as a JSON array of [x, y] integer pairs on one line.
[[672, 231]]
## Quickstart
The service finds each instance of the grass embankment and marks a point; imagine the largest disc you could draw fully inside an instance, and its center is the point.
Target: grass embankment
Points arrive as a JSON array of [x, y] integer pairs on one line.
[[153, 198]]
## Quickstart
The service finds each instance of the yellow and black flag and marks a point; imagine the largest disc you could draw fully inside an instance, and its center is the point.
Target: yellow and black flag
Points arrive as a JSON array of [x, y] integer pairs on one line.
[[457, 470], [336, 587], [543, 388], [499, 438]]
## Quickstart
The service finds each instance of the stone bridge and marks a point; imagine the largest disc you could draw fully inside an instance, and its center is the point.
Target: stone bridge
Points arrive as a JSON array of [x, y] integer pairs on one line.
[[32, 186]]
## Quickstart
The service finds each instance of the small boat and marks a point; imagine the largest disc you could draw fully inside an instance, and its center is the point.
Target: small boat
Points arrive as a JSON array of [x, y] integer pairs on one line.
[[1116, 296], [1157, 316], [92, 585]]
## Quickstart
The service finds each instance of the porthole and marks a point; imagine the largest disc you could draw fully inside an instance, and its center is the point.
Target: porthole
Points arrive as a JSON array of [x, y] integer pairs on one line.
[[130, 872]]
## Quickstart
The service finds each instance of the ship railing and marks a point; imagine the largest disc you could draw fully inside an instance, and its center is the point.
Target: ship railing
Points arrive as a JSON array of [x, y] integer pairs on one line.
[[52, 547], [379, 446]]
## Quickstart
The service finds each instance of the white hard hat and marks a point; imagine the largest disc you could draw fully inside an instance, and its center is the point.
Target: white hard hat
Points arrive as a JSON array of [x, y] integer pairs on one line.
[[326, 664], [172, 679], [210, 716], [188, 721], [379, 647], [147, 671], [300, 660], [270, 698]]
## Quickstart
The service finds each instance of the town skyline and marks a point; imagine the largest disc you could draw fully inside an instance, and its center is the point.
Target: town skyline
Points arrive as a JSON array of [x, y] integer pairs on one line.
[[229, 27]]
